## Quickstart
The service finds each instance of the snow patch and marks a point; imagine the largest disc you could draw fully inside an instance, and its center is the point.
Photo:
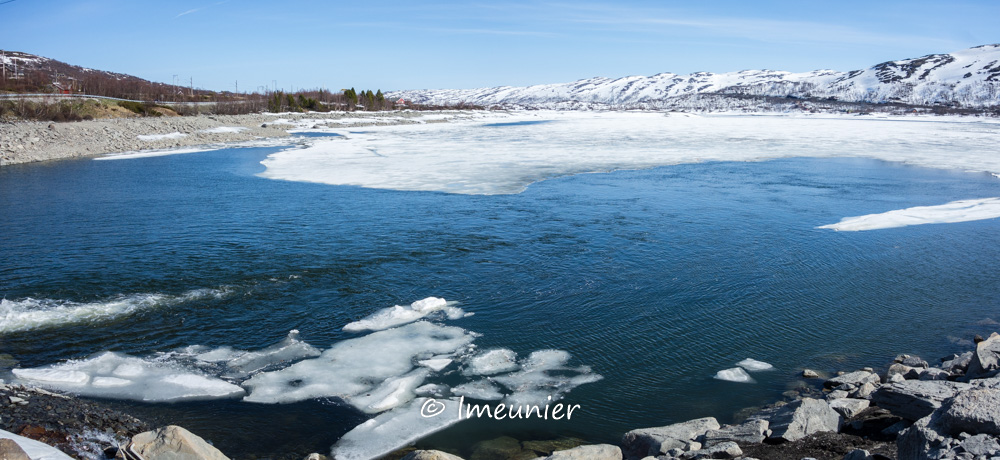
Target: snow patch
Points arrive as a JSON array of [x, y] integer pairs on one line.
[[160, 137]]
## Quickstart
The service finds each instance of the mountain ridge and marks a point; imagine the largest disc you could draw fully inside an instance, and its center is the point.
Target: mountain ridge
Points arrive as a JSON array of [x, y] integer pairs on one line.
[[968, 78]]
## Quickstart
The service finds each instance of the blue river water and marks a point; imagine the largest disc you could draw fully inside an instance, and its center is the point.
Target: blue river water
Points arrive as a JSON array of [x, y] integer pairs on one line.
[[657, 279]]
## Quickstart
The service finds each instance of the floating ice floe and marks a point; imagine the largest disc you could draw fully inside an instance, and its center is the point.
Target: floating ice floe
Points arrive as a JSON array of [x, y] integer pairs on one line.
[[491, 362], [480, 389], [398, 315], [543, 375], [28, 313], [736, 374], [356, 366], [955, 211], [118, 376], [240, 364], [158, 137], [753, 365], [396, 428]]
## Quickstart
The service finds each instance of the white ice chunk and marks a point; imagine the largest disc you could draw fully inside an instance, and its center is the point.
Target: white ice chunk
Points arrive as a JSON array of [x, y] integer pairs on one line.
[[492, 362], [542, 375], [397, 428], [53, 376], [36, 450], [113, 375], [398, 315], [956, 211], [392, 393], [357, 365], [480, 389], [753, 365], [435, 364], [431, 389], [736, 374], [106, 382]]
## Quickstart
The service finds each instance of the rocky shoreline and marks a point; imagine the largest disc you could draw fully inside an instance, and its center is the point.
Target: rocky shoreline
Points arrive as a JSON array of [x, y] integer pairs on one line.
[[27, 142], [913, 410]]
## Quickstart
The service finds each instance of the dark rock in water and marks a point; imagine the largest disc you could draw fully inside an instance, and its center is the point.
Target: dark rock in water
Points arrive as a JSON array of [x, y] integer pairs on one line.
[[975, 411], [9, 450], [977, 339], [915, 399], [858, 454], [749, 432], [502, 448], [658, 440], [986, 357], [803, 418], [545, 448]]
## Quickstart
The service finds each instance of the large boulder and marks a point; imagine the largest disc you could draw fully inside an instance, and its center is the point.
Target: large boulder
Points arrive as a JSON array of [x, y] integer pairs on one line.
[[430, 455], [849, 407], [749, 432], [802, 418], [986, 358], [722, 450], [9, 450], [852, 380], [590, 452], [173, 443], [657, 441], [975, 411], [921, 441], [915, 399]]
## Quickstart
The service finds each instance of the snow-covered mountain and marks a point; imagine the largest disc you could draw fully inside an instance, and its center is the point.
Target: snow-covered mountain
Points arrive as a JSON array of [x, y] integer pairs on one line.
[[969, 78]]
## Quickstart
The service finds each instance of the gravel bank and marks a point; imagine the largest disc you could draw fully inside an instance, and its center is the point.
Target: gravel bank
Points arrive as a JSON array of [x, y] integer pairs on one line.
[[26, 142]]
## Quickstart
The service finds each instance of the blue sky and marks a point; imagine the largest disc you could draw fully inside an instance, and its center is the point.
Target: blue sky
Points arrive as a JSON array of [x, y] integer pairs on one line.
[[446, 44]]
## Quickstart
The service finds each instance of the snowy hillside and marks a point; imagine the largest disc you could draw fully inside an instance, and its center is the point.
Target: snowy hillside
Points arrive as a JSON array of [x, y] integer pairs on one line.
[[967, 78]]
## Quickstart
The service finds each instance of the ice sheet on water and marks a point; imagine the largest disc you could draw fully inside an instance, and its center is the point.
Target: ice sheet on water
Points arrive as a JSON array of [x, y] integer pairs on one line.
[[479, 389], [465, 157], [955, 211], [735, 374], [543, 374], [436, 364], [29, 313], [119, 376], [398, 315], [396, 428], [753, 365], [237, 364], [491, 362], [358, 365]]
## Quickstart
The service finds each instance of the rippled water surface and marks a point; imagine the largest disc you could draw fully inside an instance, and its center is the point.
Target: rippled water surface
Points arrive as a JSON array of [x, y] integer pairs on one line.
[[656, 278]]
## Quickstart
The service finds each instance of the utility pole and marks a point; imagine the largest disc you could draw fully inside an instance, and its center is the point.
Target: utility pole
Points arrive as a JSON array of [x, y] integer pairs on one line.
[[192, 87], [4, 64]]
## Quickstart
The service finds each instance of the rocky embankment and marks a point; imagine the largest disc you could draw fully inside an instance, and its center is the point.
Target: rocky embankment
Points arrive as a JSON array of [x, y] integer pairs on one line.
[[912, 411], [25, 142]]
